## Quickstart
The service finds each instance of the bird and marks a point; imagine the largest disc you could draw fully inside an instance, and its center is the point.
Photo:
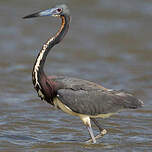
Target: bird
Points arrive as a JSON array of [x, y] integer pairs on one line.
[[77, 97]]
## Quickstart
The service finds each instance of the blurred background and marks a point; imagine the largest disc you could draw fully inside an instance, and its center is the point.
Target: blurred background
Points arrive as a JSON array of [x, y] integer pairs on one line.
[[109, 42]]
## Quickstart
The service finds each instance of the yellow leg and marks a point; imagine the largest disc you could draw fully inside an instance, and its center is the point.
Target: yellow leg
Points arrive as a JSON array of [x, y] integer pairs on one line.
[[87, 123]]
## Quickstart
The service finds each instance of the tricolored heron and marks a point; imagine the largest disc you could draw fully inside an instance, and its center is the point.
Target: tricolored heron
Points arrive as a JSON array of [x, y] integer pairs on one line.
[[76, 97]]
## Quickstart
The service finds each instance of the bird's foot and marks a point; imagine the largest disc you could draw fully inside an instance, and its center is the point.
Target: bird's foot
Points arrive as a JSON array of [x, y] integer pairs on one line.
[[102, 133]]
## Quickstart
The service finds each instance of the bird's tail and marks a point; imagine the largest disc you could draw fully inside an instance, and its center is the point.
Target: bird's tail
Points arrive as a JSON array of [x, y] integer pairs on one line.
[[134, 103], [130, 101]]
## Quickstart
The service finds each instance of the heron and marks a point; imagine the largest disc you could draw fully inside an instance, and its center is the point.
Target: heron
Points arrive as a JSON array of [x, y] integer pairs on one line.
[[77, 97]]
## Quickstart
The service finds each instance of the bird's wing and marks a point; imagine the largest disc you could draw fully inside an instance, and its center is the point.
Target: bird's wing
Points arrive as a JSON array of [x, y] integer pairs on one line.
[[94, 102], [76, 83]]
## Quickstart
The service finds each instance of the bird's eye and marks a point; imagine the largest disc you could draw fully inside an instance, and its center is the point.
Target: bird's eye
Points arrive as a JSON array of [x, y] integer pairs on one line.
[[59, 10]]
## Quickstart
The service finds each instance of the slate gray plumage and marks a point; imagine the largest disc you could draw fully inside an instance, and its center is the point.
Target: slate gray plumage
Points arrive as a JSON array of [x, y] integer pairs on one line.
[[77, 97]]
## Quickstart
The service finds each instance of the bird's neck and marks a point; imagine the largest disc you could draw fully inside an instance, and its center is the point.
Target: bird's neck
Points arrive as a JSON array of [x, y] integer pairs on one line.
[[38, 72]]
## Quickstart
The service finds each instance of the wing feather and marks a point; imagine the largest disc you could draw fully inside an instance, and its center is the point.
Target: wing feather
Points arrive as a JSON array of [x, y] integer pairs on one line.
[[94, 102]]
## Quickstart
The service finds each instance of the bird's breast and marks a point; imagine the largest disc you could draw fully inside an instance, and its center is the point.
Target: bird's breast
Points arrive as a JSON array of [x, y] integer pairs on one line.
[[63, 107]]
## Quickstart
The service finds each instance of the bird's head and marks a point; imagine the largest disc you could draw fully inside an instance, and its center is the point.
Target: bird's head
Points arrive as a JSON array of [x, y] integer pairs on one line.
[[57, 11]]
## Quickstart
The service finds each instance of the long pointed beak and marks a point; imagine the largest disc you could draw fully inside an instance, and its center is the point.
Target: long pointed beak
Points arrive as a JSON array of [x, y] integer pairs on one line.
[[48, 12]]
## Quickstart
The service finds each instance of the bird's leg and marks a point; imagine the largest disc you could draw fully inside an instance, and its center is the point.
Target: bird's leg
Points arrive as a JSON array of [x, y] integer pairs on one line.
[[102, 130], [96, 122], [91, 134], [86, 121]]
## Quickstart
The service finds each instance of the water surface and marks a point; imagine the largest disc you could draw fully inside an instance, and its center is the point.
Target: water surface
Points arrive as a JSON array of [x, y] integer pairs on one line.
[[109, 42]]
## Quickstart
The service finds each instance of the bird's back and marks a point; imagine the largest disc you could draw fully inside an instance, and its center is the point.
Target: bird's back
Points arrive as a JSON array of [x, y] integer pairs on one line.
[[86, 97]]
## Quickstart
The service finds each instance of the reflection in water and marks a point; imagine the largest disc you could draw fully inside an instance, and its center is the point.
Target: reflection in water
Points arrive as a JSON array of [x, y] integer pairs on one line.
[[109, 44]]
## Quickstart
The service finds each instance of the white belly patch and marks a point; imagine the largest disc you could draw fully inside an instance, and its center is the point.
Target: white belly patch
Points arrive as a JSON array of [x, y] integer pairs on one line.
[[66, 109]]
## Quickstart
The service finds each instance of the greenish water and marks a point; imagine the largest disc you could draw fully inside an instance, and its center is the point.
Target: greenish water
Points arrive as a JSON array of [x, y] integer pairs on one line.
[[109, 42]]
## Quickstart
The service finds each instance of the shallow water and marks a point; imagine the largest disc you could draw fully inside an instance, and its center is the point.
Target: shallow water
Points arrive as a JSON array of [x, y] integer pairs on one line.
[[109, 42]]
